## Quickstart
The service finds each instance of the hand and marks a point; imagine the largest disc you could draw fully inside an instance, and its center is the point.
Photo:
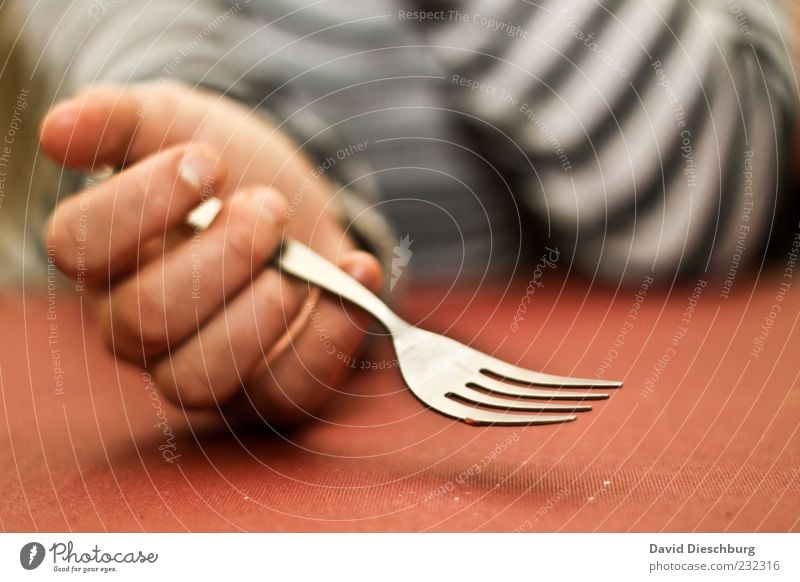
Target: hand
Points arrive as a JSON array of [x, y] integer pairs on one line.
[[199, 310]]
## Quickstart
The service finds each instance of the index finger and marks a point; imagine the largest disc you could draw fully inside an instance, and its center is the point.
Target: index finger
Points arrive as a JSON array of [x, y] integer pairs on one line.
[[94, 234]]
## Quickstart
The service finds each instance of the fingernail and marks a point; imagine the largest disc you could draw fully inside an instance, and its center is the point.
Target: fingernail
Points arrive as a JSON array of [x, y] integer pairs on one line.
[[197, 167], [271, 204]]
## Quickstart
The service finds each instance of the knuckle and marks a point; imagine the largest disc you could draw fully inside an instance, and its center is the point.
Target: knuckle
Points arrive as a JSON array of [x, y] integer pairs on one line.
[[155, 203], [274, 304], [164, 377], [183, 382], [239, 234], [138, 321], [151, 318], [107, 335], [64, 236]]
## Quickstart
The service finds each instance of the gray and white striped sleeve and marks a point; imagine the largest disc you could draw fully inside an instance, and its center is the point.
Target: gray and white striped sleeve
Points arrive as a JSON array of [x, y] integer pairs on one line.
[[657, 133]]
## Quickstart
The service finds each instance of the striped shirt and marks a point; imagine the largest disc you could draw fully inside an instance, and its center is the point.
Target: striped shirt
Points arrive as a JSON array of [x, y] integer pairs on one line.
[[637, 137]]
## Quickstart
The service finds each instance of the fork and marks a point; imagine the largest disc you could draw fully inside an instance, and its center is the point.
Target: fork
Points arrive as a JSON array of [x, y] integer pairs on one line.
[[445, 375]]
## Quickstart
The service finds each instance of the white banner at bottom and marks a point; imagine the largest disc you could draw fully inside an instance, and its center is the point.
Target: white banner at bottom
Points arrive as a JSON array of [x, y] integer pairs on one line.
[[408, 557]]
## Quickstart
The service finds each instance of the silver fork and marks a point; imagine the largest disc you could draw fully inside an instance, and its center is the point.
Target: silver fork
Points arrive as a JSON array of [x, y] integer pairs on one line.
[[447, 376]]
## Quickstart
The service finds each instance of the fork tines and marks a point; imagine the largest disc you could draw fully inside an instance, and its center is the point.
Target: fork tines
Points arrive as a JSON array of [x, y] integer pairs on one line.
[[490, 396]]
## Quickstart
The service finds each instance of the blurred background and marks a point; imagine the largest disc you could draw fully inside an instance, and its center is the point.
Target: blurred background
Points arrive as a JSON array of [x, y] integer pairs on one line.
[[24, 97]]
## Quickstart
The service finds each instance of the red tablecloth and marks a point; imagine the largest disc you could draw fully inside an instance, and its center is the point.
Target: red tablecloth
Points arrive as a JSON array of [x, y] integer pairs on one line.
[[704, 436]]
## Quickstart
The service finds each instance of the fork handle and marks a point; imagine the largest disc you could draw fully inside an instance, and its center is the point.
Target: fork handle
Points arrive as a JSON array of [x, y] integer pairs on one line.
[[299, 260]]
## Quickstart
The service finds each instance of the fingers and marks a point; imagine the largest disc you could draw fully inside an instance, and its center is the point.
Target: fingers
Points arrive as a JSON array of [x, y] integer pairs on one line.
[[307, 374], [119, 126], [210, 369], [168, 299], [97, 232]]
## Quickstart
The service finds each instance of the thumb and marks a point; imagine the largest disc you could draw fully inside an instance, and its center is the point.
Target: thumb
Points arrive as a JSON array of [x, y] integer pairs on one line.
[[93, 128], [111, 125]]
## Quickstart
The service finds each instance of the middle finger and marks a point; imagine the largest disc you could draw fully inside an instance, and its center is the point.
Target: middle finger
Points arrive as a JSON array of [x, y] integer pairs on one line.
[[171, 296]]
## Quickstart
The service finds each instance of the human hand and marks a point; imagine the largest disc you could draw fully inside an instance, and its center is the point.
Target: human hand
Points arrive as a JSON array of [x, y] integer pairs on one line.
[[198, 309]]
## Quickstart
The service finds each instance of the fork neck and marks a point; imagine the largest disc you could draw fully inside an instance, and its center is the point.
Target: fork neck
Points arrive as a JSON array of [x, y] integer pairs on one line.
[[393, 323], [300, 261]]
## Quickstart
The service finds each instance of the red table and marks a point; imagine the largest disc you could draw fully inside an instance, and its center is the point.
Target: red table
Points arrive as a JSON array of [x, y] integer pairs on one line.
[[704, 436]]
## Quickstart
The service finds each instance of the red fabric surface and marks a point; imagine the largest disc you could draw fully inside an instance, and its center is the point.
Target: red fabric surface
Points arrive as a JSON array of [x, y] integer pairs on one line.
[[713, 446]]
